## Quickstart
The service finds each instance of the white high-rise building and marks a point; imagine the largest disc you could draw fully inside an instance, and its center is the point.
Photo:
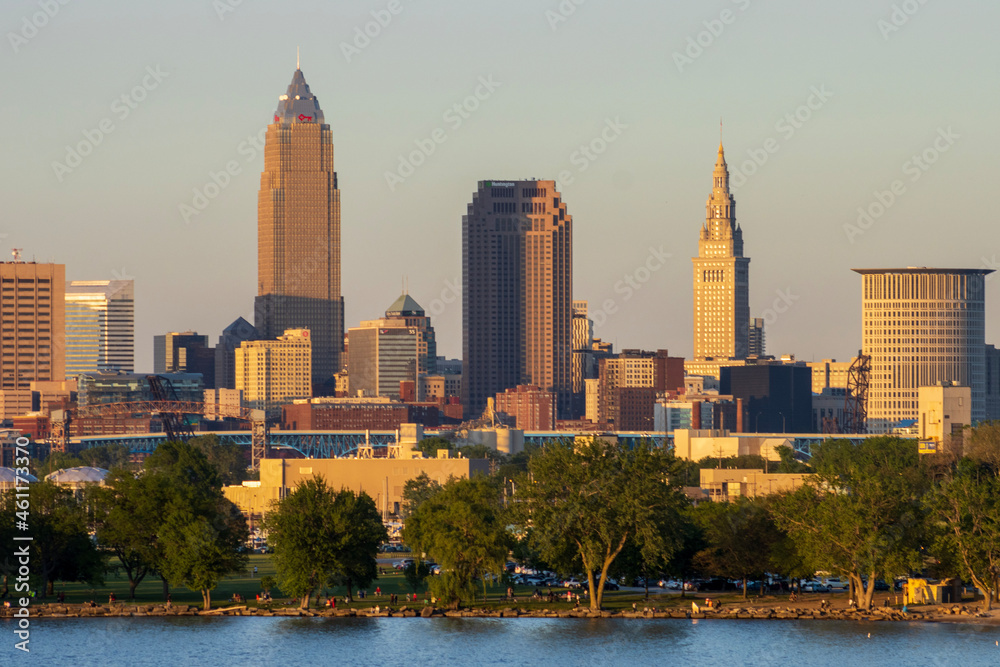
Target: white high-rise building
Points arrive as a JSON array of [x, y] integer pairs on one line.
[[922, 327], [100, 326]]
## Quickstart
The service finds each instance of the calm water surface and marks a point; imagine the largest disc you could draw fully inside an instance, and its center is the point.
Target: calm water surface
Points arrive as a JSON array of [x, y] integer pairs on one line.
[[321, 641]]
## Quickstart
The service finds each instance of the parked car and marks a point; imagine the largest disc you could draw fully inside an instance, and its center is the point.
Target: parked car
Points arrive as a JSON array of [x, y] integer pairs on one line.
[[572, 582], [611, 586], [837, 584], [403, 563], [815, 587]]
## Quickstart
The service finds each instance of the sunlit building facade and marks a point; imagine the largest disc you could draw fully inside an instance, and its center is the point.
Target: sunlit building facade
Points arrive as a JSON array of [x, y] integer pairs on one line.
[[100, 326]]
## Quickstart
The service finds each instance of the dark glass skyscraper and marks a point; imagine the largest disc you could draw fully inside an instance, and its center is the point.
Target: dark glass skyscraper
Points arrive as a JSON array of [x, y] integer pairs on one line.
[[298, 227], [517, 275]]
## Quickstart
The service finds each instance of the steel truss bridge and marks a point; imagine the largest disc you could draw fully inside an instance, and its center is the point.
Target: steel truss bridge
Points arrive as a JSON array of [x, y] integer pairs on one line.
[[323, 444], [348, 444]]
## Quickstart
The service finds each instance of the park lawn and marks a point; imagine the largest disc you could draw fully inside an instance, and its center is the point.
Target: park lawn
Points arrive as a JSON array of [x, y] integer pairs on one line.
[[247, 584]]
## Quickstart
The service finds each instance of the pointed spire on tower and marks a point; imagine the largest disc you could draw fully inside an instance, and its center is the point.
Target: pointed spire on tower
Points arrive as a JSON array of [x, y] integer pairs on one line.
[[297, 61]]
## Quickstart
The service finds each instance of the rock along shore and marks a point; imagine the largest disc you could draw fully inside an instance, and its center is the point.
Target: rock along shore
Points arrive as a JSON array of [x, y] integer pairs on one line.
[[960, 613]]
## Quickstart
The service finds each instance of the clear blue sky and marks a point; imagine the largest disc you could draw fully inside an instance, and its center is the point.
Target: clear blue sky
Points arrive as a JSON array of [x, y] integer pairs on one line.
[[886, 95]]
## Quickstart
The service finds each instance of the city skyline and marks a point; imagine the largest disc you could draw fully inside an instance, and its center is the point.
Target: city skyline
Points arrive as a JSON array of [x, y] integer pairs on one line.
[[860, 133]]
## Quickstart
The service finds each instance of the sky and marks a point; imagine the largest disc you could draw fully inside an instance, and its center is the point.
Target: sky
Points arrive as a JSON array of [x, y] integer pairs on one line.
[[859, 134]]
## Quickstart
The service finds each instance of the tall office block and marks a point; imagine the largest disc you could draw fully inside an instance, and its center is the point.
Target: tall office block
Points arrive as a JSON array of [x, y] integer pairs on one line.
[[298, 228], [583, 359], [100, 326], [992, 383], [517, 272], [922, 327], [721, 277], [32, 331]]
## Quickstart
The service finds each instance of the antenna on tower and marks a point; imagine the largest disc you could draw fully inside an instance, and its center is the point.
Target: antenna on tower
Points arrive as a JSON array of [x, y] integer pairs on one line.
[[297, 58], [720, 129]]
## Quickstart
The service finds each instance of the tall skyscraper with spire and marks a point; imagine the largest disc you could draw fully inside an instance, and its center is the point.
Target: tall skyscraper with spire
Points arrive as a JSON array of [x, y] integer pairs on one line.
[[298, 227], [721, 277]]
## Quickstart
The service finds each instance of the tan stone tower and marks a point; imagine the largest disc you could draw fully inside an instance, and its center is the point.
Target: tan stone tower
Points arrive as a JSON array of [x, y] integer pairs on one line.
[[721, 277], [298, 227]]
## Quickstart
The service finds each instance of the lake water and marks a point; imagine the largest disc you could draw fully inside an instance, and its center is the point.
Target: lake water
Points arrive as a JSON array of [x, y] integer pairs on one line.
[[321, 641]]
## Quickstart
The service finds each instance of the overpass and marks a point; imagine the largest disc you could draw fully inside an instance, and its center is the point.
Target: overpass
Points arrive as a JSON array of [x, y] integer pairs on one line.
[[326, 444]]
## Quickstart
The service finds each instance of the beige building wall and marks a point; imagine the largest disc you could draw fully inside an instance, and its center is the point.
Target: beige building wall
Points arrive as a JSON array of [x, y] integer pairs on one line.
[[942, 408], [829, 373], [382, 479], [273, 372], [729, 484]]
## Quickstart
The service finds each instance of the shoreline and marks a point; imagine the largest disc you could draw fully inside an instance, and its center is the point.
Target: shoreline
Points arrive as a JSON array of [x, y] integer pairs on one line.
[[942, 614]]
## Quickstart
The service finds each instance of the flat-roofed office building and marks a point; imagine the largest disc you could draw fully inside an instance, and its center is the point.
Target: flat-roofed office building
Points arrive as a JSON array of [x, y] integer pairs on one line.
[[32, 331], [922, 327], [517, 304], [100, 326]]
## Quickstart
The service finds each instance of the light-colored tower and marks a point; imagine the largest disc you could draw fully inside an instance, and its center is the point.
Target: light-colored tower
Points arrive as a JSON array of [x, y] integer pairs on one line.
[[100, 326], [273, 372], [721, 277], [32, 317], [298, 227], [922, 327], [517, 272]]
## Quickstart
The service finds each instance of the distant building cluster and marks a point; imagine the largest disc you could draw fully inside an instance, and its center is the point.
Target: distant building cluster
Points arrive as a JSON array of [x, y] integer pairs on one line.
[[530, 361]]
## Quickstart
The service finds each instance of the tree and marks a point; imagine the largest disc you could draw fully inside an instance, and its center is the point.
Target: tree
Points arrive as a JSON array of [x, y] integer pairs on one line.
[[61, 547], [416, 491], [463, 526], [741, 537], [318, 534], [106, 456], [430, 446], [128, 514], [360, 530], [860, 515], [201, 534], [982, 445], [585, 500], [57, 461], [966, 510], [416, 574], [229, 460], [200, 549], [267, 582]]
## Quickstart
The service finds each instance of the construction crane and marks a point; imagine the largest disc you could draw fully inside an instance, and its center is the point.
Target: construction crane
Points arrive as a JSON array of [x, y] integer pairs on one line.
[[856, 400], [174, 423]]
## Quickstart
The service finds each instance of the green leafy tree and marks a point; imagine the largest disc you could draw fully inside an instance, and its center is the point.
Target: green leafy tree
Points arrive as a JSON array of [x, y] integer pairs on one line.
[[201, 534], [200, 549], [360, 530], [463, 526], [319, 535], [860, 515], [741, 538], [429, 446], [416, 574], [61, 548], [585, 500], [268, 582], [416, 491], [966, 513], [982, 444], [229, 460], [789, 464], [57, 461], [107, 457], [128, 514]]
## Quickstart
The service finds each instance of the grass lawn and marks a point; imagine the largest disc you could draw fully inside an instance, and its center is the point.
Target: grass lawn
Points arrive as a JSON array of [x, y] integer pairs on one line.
[[247, 584]]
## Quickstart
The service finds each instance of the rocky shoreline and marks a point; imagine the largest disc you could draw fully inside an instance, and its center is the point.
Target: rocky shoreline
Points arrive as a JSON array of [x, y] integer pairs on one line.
[[953, 613]]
